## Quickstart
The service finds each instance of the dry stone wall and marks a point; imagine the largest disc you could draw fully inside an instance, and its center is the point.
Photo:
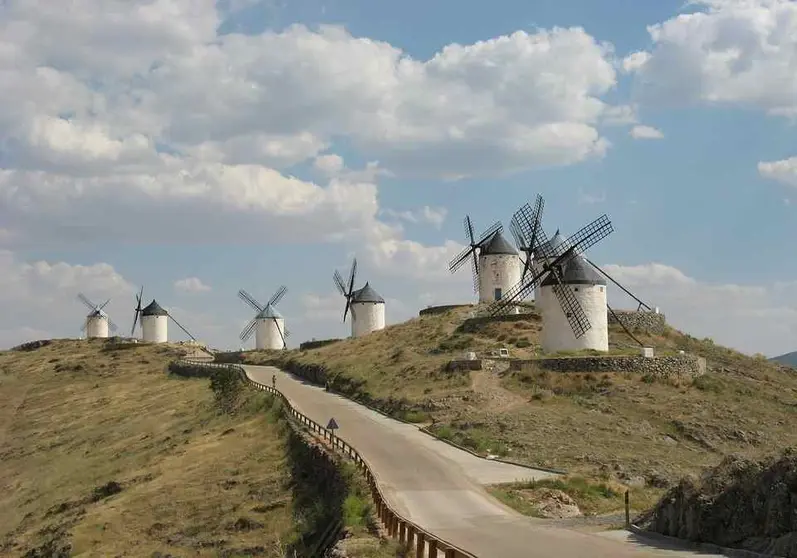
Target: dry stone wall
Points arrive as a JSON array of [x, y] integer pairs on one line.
[[663, 366], [645, 321]]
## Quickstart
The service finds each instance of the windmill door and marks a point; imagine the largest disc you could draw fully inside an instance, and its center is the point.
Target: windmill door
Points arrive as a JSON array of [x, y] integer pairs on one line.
[[498, 294]]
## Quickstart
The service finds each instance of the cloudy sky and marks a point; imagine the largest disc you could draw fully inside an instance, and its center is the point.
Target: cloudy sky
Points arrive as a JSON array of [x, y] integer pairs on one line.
[[199, 146]]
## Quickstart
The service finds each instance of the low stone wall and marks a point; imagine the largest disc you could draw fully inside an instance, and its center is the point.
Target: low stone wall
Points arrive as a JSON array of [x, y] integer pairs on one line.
[[464, 364], [644, 321], [307, 345], [663, 366], [433, 310]]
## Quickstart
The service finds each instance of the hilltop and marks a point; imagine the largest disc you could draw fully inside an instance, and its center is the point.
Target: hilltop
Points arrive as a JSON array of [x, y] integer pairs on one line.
[[789, 359], [636, 428], [105, 453]]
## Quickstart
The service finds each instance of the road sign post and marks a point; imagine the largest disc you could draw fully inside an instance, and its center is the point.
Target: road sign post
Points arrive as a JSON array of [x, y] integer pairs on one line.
[[331, 427]]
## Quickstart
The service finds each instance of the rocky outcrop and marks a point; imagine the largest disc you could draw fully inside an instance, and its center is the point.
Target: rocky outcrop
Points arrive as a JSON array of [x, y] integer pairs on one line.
[[740, 503]]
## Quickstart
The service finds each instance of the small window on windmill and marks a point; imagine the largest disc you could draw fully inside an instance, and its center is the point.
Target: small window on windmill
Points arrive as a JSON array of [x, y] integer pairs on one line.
[[601, 289], [575, 289]]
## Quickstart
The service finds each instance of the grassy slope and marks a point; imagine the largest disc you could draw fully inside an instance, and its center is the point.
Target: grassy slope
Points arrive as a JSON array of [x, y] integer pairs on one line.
[[614, 424], [75, 416]]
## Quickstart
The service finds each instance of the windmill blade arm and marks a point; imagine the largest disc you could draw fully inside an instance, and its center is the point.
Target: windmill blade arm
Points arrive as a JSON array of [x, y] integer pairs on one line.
[[274, 300], [469, 236], [590, 235], [135, 320], [474, 268], [352, 275], [248, 330], [574, 313], [495, 228], [250, 300], [346, 310], [515, 295], [112, 326], [338, 279], [460, 259], [529, 222], [104, 304], [181, 327], [85, 325], [517, 233], [626, 291], [82, 298], [279, 329]]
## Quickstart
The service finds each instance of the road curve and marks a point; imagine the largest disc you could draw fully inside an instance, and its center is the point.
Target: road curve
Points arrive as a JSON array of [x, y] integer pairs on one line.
[[441, 488]]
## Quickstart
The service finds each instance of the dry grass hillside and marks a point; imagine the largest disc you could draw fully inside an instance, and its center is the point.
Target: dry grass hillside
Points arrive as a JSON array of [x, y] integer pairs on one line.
[[104, 452], [617, 425]]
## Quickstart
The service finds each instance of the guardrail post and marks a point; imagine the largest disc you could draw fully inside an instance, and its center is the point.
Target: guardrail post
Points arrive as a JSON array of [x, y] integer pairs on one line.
[[410, 535], [419, 546], [402, 532], [627, 509]]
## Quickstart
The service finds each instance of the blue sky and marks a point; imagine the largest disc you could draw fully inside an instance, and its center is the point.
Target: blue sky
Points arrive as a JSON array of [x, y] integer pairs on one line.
[[694, 201]]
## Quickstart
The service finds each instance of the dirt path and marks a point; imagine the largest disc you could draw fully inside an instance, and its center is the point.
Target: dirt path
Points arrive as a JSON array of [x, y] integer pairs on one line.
[[487, 383]]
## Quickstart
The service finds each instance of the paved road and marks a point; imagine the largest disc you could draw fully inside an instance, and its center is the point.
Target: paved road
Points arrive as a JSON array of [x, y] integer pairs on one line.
[[440, 487]]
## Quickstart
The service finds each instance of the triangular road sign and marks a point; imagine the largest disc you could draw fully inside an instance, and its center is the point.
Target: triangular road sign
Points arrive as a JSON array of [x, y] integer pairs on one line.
[[332, 425]]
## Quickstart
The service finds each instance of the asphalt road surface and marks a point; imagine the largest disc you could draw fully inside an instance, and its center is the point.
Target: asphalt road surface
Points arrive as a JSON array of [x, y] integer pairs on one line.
[[441, 489]]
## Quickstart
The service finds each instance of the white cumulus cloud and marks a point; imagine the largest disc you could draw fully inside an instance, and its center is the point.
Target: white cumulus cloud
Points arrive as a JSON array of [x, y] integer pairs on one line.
[[645, 132], [784, 171], [751, 318], [732, 52], [191, 285]]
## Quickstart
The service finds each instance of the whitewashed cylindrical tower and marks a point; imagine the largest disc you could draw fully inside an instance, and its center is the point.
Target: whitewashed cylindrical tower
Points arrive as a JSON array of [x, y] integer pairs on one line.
[[270, 329], [589, 288], [499, 269], [367, 311], [96, 324], [154, 323], [556, 242]]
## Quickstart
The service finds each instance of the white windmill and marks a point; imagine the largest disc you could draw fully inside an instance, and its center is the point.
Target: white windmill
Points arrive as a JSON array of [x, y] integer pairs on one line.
[[268, 325], [494, 262], [367, 306], [585, 279], [97, 321], [154, 321], [572, 297]]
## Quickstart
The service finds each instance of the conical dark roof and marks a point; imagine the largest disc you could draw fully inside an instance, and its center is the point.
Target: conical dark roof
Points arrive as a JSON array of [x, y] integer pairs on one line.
[[577, 271], [367, 294], [154, 309], [97, 313], [269, 312], [498, 245]]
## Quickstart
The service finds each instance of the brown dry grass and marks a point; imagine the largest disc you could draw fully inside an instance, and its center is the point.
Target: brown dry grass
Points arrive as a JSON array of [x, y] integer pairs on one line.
[[75, 416], [609, 425]]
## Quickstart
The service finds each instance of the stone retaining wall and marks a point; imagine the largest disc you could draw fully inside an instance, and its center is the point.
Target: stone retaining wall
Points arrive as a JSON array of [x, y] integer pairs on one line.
[[645, 321], [432, 310], [464, 364], [315, 344], [663, 366]]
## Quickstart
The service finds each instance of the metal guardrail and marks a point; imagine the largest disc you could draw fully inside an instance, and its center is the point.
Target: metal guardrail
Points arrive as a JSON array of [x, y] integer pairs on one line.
[[424, 543]]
